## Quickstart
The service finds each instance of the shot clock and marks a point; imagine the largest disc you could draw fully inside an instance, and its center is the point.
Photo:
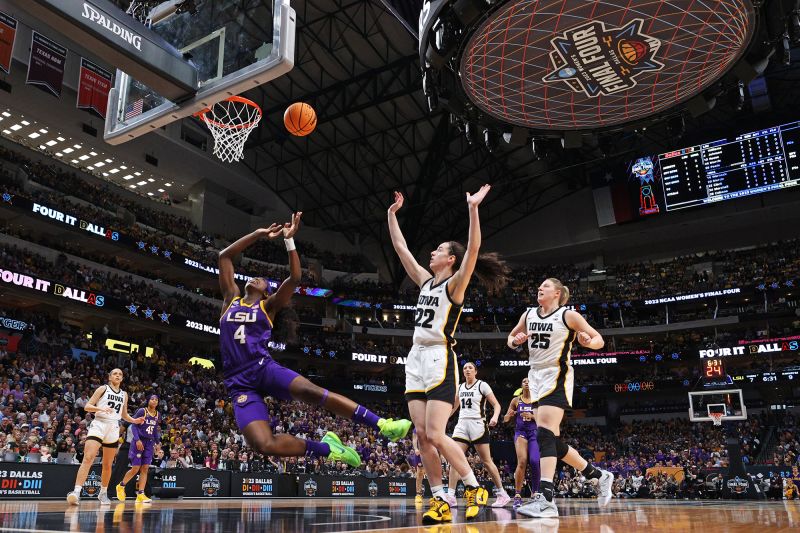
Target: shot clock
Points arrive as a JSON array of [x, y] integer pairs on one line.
[[713, 369]]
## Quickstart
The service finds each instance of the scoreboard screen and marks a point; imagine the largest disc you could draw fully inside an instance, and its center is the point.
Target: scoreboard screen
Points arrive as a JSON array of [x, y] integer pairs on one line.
[[751, 163]]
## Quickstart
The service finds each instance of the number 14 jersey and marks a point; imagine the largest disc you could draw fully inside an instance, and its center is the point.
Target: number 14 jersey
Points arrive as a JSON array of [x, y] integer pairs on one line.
[[550, 339], [436, 316]]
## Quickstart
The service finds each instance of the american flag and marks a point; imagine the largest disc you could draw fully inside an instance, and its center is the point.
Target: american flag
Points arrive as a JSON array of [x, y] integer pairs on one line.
[[134, 109]]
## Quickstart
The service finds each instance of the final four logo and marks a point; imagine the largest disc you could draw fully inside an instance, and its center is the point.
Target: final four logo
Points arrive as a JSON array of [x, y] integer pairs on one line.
[[210, 486], [91, 487], [596, 60], [310, 487]]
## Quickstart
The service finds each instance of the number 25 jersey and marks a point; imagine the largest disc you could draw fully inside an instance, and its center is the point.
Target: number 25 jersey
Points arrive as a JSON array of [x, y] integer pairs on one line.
[[436, 316], [550, 339]]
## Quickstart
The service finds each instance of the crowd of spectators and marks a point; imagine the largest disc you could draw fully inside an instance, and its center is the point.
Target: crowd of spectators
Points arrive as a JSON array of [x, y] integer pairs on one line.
[[155, 225]]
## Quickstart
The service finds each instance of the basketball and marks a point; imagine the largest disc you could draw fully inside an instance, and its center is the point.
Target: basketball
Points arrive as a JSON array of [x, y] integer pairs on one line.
[[300, 119]]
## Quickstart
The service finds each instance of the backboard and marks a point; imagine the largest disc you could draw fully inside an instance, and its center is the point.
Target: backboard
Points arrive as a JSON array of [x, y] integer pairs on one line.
[[730, 402], [235, 45]]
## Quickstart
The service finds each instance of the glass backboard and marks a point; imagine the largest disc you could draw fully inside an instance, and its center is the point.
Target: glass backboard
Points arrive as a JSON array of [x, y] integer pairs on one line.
[[234, 44], [729, 402]]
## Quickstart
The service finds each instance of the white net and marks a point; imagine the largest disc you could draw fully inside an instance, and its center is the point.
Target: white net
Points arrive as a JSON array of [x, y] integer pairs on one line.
[[716, 418], [231, 122]]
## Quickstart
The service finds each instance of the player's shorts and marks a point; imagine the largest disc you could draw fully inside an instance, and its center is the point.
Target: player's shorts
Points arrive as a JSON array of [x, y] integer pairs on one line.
[[471, 431], [104, 431], [552, 385], [527, 434], [431, 373], [249, 385], [144, 457]]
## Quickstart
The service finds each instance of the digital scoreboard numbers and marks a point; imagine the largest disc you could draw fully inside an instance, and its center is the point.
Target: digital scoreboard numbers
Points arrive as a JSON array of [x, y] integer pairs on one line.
[[713, 369], [751, 163]]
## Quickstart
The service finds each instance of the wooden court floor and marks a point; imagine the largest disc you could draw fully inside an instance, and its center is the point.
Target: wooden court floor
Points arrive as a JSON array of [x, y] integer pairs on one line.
[[365, 514]]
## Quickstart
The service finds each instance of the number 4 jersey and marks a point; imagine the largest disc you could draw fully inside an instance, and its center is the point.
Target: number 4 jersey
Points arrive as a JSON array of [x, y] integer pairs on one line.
[[550, 339], [436, 316]]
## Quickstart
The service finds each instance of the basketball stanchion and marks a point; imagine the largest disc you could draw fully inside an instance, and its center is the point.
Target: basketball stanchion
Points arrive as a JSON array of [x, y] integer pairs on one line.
[[231, 122]]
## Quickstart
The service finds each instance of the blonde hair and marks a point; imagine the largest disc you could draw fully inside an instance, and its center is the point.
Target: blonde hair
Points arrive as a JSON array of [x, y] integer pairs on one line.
[[564, 298]]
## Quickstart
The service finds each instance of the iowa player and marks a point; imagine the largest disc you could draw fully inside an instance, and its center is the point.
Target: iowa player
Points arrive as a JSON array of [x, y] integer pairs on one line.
[[109, 404], [472, 428], [431, 372], [251, 373], [550, 330]]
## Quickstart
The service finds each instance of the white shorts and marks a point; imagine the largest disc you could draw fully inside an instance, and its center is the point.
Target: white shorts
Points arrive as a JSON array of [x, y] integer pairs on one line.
[[552, 385], [431, 373], [107, 431], [471, 431]]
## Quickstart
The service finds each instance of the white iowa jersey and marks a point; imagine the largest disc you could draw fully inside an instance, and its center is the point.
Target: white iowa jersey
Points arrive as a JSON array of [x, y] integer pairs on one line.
[[113, 399], [472, 400], [550, 339], [436, 316]]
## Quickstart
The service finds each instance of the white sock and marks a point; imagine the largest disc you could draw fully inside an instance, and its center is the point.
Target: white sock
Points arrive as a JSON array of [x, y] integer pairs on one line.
[[470, 480], [77, 489], [103, 490], [502, 492], [438, 490]]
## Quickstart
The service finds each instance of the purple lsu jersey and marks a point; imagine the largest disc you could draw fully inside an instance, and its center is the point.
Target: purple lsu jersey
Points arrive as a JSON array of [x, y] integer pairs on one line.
[[524, 427], [147, 431], [244, 333]]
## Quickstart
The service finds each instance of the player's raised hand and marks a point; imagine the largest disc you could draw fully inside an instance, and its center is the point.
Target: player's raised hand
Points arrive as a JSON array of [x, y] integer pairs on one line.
[[398, 202], [584, 339], [273, 231], [290, 229], [139, 420], [520, 339], [474, 200]]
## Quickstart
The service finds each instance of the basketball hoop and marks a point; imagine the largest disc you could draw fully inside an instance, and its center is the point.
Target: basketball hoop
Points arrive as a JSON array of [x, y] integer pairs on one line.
[[230, 122], [716, 418]]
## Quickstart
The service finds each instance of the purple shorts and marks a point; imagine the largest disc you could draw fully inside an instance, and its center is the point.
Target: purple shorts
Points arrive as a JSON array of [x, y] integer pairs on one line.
[[141, 458], [527, 434], [249, 385]]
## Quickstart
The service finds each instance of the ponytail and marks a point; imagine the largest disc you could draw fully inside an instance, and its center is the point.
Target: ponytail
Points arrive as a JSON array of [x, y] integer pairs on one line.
[[564, 297], [491, 271]]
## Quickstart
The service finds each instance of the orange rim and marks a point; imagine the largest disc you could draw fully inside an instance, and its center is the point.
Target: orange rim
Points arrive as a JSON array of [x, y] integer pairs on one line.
[[242, 100]]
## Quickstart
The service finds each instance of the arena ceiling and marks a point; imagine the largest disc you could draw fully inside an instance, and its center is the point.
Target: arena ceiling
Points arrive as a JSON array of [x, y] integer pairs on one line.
[[358, 66]]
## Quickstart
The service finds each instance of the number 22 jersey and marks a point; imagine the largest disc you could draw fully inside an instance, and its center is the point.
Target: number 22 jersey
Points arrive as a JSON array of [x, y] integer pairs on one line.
[[436, 316]]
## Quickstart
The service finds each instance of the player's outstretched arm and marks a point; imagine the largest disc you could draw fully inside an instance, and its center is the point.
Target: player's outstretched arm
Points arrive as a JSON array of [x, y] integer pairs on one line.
[[126, 417], [414, 270], [284, 294], [460, 280]]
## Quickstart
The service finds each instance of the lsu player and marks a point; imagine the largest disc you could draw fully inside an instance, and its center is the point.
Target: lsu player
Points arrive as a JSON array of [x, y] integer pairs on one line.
[[472, 429], [251, 373], [525, 443], [431, 372], [109, 403], [143, 441], [550, 330]]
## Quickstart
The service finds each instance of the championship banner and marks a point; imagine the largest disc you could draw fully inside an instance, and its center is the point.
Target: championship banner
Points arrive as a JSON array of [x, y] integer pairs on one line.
[[46, 65], [94, 84], [8, 32]]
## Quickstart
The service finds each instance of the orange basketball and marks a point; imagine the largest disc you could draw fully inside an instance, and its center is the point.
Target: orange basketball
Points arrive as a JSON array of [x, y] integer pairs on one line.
[[300, 119]]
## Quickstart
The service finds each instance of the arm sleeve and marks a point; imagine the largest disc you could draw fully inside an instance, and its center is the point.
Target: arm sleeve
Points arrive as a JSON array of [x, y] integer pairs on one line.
[[135, 427]]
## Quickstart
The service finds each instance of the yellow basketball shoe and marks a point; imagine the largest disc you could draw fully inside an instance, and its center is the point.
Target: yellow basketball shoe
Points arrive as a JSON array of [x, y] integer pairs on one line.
[[121, 493], [476, 497], [141, 498], [438, 513]]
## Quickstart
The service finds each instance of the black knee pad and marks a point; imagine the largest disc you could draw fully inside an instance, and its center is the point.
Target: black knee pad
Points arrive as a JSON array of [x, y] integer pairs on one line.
[[547, 442], [561, 448]]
